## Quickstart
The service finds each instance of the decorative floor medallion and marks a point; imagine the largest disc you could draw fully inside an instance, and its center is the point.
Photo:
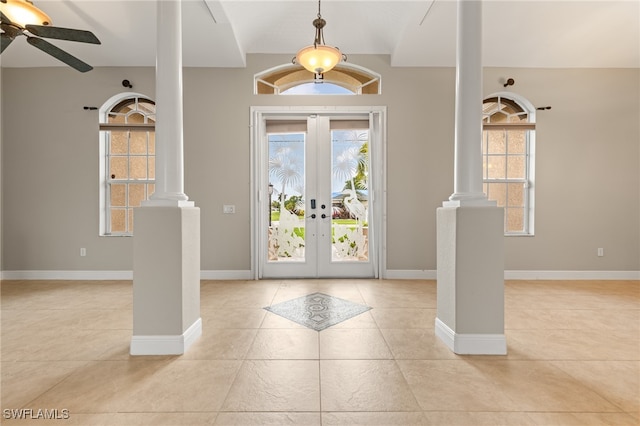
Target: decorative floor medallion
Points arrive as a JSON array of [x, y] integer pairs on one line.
[[317, 311]]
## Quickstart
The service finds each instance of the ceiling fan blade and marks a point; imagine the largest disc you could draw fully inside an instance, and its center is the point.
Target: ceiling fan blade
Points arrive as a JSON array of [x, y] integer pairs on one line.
[[59, 33], [5, 41], [10, 32], [4, 19], [59, 54]]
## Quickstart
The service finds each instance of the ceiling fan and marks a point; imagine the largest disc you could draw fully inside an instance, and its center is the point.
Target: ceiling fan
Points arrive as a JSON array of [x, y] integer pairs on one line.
[[21, 17]]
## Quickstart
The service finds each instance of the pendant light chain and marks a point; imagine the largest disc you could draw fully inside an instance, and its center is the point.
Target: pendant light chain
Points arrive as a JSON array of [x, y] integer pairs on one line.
[[319, 23]]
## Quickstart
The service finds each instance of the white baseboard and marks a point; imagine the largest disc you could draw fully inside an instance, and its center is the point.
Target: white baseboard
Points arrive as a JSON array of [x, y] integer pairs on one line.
[[410, 274], [471, 344], [393, 274], [572, 275], [67, 275], [166, 345], [112, 275], [400, 274], [226, 275]]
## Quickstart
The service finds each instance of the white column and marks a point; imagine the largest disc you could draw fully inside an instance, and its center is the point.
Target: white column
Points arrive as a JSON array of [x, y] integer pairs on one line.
[[166, 280], [166, 242], [467, 183], [470, 240], [169, 138]]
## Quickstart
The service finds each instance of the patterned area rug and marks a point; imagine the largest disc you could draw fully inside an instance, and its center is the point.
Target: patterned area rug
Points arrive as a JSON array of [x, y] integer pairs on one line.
[[317, 311]]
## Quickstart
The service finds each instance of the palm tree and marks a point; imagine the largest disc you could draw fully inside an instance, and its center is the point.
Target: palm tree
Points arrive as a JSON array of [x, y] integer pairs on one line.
[[284, 168], [352, 164], [362, 177], [346, 165]]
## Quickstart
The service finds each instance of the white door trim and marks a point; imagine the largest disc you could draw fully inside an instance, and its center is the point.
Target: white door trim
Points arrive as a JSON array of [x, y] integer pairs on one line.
[[377, 117]]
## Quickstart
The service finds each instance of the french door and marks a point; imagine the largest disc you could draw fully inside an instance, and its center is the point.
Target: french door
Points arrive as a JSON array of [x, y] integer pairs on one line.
[[317, 210]]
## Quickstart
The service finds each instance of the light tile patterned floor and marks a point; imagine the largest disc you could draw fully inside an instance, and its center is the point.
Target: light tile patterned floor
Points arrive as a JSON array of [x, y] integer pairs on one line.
[[573, 358]]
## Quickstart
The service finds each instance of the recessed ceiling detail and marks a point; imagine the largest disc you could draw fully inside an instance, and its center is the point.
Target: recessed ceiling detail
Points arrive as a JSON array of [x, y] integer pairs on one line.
[[529, 34]]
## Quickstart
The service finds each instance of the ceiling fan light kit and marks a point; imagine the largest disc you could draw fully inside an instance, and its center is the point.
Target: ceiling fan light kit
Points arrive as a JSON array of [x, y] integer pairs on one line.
[[21, 17], [23, 13], [318, 57]]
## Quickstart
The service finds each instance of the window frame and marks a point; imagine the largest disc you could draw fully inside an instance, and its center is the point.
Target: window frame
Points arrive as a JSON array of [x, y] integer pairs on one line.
[[528, 181], [105, 179]]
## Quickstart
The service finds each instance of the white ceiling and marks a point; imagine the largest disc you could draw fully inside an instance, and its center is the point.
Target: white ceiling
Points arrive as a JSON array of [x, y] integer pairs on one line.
[[220, 33]]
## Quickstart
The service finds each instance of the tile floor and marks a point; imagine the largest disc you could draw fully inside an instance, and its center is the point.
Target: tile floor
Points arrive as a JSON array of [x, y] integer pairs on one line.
[[574, 358]]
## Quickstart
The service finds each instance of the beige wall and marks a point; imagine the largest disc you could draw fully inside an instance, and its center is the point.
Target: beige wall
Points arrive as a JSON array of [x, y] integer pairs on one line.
[[587, 163]]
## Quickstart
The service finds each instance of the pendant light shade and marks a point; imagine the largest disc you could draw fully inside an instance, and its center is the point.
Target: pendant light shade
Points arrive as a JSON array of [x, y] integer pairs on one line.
[[318, 57]]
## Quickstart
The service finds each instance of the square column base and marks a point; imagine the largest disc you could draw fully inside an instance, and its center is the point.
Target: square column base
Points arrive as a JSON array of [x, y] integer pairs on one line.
[[166, 280], [470, 289]]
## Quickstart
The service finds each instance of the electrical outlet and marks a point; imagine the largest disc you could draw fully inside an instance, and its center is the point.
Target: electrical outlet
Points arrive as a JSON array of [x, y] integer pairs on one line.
[[228, 209], [600, 252], [83, 251]]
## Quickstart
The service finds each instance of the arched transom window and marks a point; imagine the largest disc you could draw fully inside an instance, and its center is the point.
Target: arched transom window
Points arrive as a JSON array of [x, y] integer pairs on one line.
[[344, 79]]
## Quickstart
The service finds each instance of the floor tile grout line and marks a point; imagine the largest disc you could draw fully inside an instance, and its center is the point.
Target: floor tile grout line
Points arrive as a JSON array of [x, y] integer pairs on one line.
[[319, 378], [393, 355], [275, 293], [235, 377], [244, 359]]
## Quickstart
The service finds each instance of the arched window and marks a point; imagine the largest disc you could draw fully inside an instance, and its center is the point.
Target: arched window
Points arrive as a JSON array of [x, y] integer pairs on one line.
[[291, 79], [508, 158], [127, 166]]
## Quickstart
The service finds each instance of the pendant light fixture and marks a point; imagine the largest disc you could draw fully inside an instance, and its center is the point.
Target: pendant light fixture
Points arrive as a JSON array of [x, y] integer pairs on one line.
[[318, 57]]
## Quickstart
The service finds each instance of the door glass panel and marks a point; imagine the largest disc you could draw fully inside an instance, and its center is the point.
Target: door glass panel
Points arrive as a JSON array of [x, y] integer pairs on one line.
[[286, 230], [349, 195]]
